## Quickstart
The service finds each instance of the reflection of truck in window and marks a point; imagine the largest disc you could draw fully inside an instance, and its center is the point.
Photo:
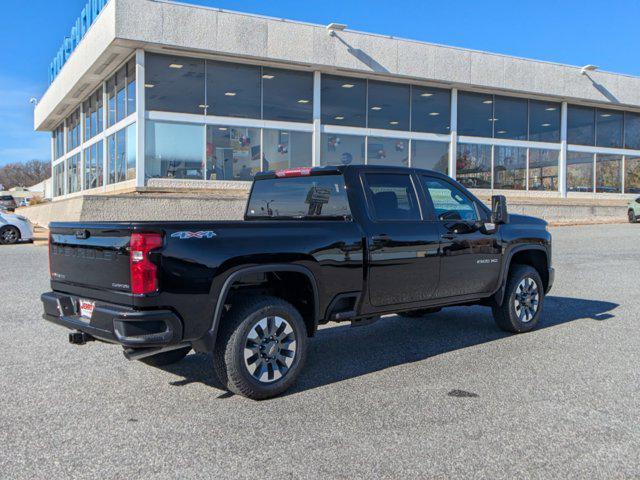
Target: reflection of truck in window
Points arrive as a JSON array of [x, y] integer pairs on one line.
[[344, 244]]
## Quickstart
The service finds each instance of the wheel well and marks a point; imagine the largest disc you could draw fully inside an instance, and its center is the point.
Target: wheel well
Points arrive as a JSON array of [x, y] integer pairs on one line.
[[534, 258], [294, 287]]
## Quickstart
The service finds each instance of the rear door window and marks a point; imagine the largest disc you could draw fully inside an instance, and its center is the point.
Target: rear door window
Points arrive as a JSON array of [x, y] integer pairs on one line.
[[311, 197], [392, 197]]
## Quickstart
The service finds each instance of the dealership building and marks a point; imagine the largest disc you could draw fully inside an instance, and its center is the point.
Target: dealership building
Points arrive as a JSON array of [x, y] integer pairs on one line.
[[149, 95]]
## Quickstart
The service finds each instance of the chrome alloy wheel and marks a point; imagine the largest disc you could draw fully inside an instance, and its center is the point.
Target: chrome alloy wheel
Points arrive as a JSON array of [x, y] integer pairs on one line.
[[270, 349], [10, 235], [527, 300]]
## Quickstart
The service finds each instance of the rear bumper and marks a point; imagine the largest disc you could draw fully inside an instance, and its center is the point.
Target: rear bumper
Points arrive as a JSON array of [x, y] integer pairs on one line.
[[115, 323]]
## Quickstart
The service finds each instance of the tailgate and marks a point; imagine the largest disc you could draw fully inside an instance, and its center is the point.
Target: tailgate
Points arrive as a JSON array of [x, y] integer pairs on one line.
[[94, 256]]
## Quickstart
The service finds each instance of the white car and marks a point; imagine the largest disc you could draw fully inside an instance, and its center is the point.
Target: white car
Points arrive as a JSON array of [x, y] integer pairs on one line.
[[14, 228]]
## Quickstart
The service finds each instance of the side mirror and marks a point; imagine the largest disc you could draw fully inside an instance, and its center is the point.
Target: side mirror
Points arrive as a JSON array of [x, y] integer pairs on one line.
[[499, 213]]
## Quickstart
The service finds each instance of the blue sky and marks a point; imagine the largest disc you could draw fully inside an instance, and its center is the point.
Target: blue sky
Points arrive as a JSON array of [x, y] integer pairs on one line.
[[575, 32]]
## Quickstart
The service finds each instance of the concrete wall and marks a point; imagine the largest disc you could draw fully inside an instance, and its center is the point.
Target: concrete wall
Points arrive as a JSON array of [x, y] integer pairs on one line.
[[195, 207]]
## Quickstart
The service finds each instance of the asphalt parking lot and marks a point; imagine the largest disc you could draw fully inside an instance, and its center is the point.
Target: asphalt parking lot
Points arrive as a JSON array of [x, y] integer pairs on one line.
[[446, 396]]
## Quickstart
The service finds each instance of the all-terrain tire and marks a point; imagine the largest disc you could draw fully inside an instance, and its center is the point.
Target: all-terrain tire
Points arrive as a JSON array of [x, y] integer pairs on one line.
[[508, 316], [232, 339], [166, 358]]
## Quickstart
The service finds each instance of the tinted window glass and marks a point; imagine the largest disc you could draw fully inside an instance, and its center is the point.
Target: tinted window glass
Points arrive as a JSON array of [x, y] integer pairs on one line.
[[544, 121], [322, 196], [121, 94], [388, 106], [174, 84], [174, 150], [388, 151], [286, 149], [288, 95], [632, 175], [392, 197], [475, 114], [543, 169], [580, 125], [131, 86], [510, 168], [430, 109], [579, 172], [474, 165], [430, 155], [632, 130], [338, 149], [448, 201], [510, 118], [609, 128], [233, 153], [233, 90], [609, 173], [344, 101]]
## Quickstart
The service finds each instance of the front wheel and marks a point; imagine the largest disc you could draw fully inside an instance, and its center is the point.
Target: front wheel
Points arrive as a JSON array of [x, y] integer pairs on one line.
[[261, 347], [632, 216], [522, 303], [9, 235]]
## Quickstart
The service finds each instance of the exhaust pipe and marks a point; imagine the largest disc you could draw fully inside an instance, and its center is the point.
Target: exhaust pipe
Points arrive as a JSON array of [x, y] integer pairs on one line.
[[138, 353]]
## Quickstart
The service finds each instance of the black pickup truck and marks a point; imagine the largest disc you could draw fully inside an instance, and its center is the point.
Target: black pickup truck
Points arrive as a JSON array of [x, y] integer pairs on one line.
[[316, 245]]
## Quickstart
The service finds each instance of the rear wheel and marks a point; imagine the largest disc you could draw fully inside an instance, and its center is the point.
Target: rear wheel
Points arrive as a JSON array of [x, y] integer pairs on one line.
[[523, 298], [261, 347], [9, 235], [632, 216], [166, 358]]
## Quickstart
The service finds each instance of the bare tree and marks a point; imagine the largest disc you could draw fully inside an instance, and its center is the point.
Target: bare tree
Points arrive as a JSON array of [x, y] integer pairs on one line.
[[24, 174]]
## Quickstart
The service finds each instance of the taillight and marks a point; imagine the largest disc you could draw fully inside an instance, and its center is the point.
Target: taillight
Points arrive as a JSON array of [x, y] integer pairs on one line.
[[144, 273]]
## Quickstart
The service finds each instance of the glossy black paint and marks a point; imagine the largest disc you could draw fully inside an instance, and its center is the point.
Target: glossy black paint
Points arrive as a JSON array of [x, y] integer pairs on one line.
[[388, 266]]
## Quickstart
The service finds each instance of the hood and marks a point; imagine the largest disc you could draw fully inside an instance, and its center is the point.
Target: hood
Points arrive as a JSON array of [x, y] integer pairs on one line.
[[518, 219]]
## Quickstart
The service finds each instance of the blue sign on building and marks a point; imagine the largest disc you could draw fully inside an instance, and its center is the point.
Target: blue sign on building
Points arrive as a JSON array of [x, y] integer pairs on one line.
[[80, 27]]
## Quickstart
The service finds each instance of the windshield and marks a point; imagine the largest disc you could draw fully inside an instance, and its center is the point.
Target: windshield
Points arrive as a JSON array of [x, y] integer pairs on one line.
[[310, 197]]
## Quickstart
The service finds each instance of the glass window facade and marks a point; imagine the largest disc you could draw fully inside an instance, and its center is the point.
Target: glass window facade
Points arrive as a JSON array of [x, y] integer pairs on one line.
[[174, 84], [73, 130], [473, 165], [93, 166], [233, 90], [93, 115], [543, 169], [338, 149], [58, 179], [388, 151], [579, 172], [74, 176], [286, 149], [544, 121], [510, 118], [609, 173], [430, 155], [430, 110], [609, 128], [58, 141], [343, 101], [174, 150], [632, 174], [581, 125], [388, 106], [288, 95], [233, 153], [510, 168], [475, 114], [632, 130], [121, 155]]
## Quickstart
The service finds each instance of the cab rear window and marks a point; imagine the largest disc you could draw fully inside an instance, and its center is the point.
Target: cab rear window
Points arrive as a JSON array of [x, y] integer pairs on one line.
[[306, 197]]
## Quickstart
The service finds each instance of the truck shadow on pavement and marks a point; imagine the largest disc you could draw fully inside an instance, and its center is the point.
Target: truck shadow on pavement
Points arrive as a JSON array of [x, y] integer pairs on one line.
[[340, 352]]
